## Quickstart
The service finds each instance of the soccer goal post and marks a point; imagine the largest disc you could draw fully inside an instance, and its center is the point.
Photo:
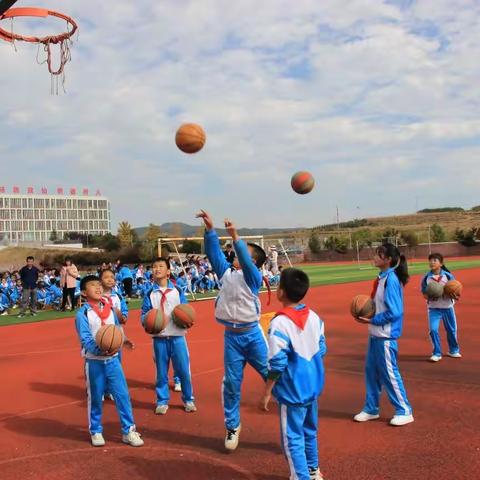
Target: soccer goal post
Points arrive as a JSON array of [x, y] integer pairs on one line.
[[178, 241]]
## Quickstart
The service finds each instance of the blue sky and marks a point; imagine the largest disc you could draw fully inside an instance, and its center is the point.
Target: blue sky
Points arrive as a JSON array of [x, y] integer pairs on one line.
[[379, 100]]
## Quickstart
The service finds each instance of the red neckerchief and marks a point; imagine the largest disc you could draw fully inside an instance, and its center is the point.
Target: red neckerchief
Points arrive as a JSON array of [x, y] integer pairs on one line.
[[375, 287], [297, 316], [164, 298], [103, 313], [269, 290]]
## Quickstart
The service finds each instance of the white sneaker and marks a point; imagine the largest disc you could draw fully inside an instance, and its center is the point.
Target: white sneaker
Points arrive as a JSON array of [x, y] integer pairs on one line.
[[400, 420], [435, 358], [133, 438], [177, 387], [232, 437], [161, 409], [365, 417], [190, 407], [315, 474], [109, 396], [455, 355], [98, 440]]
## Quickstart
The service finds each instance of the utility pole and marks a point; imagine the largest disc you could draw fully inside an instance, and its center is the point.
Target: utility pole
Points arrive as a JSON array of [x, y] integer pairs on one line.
[[338, 220], [429, 241]]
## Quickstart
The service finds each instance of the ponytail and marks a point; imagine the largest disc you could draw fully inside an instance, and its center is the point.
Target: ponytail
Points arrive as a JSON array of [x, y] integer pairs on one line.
[[398, 261], [402, 270]]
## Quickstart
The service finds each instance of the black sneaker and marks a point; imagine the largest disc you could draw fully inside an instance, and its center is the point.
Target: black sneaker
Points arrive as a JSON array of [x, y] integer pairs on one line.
[[20, 315]]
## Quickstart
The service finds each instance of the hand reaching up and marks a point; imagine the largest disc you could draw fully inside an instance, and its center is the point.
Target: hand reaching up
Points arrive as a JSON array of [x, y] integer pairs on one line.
[[207, 219]]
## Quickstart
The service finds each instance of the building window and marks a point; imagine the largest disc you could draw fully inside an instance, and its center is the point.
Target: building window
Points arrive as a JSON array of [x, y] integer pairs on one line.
[[69, 203], [30, 203], [24, 203], [7, 203]]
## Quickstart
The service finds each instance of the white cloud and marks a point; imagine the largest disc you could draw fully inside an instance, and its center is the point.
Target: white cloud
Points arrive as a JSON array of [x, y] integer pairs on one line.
[[376, 101]]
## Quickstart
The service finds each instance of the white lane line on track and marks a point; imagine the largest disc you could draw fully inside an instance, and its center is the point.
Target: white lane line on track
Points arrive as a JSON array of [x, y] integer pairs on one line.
[[40, 352], [75, 402], [414, 378], [206, 457]]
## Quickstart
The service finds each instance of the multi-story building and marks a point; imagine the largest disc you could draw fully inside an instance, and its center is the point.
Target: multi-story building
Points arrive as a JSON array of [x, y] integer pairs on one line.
[[33, 217]]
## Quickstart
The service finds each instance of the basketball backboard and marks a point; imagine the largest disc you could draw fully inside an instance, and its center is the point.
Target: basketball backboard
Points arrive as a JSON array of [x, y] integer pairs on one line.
[[5, 5]]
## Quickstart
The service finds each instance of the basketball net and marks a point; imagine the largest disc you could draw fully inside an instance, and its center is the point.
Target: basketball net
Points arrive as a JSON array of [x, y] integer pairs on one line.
[[63, 40]]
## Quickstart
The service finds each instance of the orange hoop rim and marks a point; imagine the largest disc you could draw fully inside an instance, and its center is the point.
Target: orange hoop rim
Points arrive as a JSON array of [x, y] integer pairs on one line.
[[36, 12]]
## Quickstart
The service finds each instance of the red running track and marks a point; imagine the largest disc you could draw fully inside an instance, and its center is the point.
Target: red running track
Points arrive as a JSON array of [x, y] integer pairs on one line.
[[43, 425]]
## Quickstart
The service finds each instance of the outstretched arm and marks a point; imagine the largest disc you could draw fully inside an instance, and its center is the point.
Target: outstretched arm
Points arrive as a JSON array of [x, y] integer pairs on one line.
[[212, 246]]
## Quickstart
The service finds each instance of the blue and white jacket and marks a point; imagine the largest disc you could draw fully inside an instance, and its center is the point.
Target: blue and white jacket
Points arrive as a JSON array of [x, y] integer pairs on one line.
[[295, 356], [153, 299], [443, 278], [388, 319], [237, 304], [88, 323]]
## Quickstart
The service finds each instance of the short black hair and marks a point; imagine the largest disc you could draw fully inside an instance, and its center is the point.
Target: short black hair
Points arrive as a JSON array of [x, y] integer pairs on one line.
[[86, 280], [30, 258], [162, 259], [258, 254], [294, 283]]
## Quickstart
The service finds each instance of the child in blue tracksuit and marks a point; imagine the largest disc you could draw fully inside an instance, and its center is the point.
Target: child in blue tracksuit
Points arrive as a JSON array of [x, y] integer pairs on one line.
[[296, 340], [170, 344], [381, 369], [441, 309], [237, 308], [116, 300], [102, 370]]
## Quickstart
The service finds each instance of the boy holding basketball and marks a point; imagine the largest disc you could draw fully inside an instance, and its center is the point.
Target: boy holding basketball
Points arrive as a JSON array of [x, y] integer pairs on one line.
[[170, 344], [297, 346], [102, 369], [238, 309]]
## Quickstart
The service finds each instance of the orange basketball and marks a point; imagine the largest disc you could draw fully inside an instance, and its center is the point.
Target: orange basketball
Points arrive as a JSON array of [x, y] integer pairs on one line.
[[154, 321], [109, 339], [453, 288], [362, 306], [183, 316], [190, 138], [302, 182]]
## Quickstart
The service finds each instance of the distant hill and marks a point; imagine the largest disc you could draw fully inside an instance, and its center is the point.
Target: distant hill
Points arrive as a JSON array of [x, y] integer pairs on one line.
[[185, 230]]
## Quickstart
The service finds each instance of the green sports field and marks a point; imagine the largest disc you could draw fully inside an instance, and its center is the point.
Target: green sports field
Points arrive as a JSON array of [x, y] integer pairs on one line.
[[324, 274]]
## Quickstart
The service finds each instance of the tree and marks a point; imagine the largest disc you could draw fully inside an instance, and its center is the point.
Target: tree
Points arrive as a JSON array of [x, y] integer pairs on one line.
[[314, 243], [191, 246], [336, 244], [152, 234], [390, 233], [466, 238], [108, 242], [364, 237], [53, 236], [125, 234], [410, 239], [437, 234]]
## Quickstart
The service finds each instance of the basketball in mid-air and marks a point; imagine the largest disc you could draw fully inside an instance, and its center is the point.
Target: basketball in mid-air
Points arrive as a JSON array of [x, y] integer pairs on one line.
[[302, 182], [190, 138]]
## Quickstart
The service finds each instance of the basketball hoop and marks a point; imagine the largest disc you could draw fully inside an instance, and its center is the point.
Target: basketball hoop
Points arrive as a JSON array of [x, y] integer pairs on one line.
[[63, 39]]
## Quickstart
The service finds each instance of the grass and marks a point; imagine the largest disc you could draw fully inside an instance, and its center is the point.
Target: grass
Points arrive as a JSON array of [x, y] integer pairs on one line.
[[319, 275]]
